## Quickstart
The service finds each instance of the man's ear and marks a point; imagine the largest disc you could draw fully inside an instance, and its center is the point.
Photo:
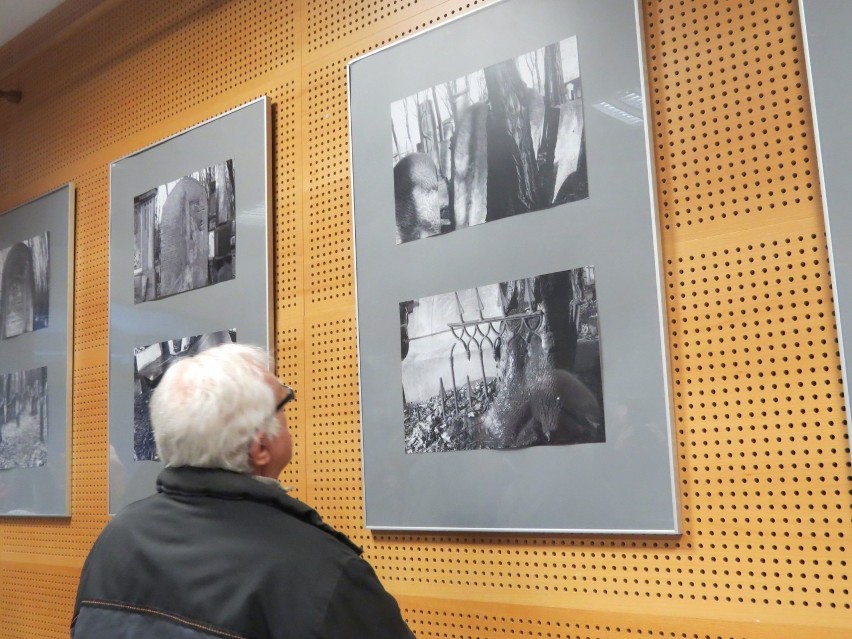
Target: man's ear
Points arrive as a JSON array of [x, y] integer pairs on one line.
[[260, 455]]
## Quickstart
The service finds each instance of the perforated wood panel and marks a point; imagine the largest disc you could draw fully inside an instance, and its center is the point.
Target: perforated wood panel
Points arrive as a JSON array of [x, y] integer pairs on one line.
[[34, 598], [762, 444]]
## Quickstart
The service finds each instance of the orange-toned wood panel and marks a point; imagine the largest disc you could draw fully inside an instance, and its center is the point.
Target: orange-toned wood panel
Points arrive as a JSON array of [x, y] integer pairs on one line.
[[762, 442], [35, 600], [443, 618], [730, 115], [334, 440]]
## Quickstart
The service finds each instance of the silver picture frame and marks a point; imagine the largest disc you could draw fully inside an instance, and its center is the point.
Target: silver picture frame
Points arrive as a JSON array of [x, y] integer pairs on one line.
[[622, 481], [36, 355], [190, 257]]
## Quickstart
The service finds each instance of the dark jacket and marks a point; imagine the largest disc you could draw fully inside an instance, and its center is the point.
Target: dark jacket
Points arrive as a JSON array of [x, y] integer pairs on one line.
[[219, 554]]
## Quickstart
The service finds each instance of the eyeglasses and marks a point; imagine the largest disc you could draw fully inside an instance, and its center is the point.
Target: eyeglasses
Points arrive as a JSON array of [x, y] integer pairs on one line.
[[289, 396]]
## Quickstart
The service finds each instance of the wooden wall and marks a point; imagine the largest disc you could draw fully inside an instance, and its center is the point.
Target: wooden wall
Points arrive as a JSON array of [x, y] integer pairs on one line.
[[762, 444]]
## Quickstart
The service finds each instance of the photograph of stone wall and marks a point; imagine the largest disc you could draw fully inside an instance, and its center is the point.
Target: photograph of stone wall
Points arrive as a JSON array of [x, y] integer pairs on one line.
[[24, 286], [185, 234]]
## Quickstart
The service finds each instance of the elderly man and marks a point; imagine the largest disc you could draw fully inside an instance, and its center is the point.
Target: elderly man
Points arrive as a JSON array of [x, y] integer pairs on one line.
[[221, 550]]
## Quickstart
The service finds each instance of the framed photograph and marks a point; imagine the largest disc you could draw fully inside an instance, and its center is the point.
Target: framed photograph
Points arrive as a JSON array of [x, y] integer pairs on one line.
[[185, 234], [513, 364], [190, 261], [445, 142], [827, 48], [485, 395], [36, 301], [149, 364]]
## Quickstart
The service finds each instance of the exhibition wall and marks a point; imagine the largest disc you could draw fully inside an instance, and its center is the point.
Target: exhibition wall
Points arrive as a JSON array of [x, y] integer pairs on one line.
[[762, 449]]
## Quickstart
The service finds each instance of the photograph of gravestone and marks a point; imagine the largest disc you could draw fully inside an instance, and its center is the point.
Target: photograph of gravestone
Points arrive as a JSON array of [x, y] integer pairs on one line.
[[23, 419], [503, 140], [24, 286], [502, 366], [149, 365], [185, 234]]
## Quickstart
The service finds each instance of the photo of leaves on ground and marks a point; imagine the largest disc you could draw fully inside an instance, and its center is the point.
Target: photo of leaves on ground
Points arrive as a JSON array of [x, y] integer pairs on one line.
[[501, 366], [23, 419]]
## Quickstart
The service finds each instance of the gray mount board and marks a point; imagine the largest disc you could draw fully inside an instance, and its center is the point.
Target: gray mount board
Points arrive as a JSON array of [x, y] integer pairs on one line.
[[826, 24], [44, 490], [241, 135], [627, 484]]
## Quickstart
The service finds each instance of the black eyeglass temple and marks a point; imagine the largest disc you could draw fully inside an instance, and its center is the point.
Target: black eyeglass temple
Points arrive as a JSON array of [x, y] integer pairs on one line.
[[290, 396]]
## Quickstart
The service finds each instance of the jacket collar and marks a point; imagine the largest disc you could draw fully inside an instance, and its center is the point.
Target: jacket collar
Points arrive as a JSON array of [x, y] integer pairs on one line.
[[225, 484]]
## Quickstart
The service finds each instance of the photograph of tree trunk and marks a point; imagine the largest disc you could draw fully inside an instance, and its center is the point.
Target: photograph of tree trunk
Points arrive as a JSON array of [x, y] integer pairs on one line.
[[24, 286], [23, 419], [149, 365], [504, 140], [502, 366], [185, 234]]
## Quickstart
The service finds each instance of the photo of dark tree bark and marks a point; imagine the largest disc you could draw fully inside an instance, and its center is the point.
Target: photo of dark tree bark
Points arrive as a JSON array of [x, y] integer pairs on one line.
[[503, 366], [504, 140], [24, 286], [149, 365], [23, 419], [185, 234]]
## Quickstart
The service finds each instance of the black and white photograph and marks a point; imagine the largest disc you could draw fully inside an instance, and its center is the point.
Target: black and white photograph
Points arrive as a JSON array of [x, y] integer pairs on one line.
[[149, 365], [23, 419], [503, 366], [24, 286], [503, 140], [185, 234]]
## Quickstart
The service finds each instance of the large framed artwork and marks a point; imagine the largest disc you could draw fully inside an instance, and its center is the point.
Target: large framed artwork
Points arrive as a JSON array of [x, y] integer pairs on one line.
[[36, 301], [828, 48], [513, 365], [190, 261]]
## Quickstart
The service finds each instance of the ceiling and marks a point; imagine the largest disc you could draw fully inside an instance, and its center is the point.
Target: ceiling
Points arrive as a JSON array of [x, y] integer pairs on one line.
[[17, 15]]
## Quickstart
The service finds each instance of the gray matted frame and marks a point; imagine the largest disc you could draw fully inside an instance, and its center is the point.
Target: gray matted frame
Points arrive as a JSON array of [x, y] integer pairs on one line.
[[45, 491], [628, 484], [242, 303]]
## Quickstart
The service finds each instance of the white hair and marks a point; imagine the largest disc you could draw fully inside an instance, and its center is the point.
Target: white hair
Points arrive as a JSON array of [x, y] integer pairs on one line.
[[208, 408]]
